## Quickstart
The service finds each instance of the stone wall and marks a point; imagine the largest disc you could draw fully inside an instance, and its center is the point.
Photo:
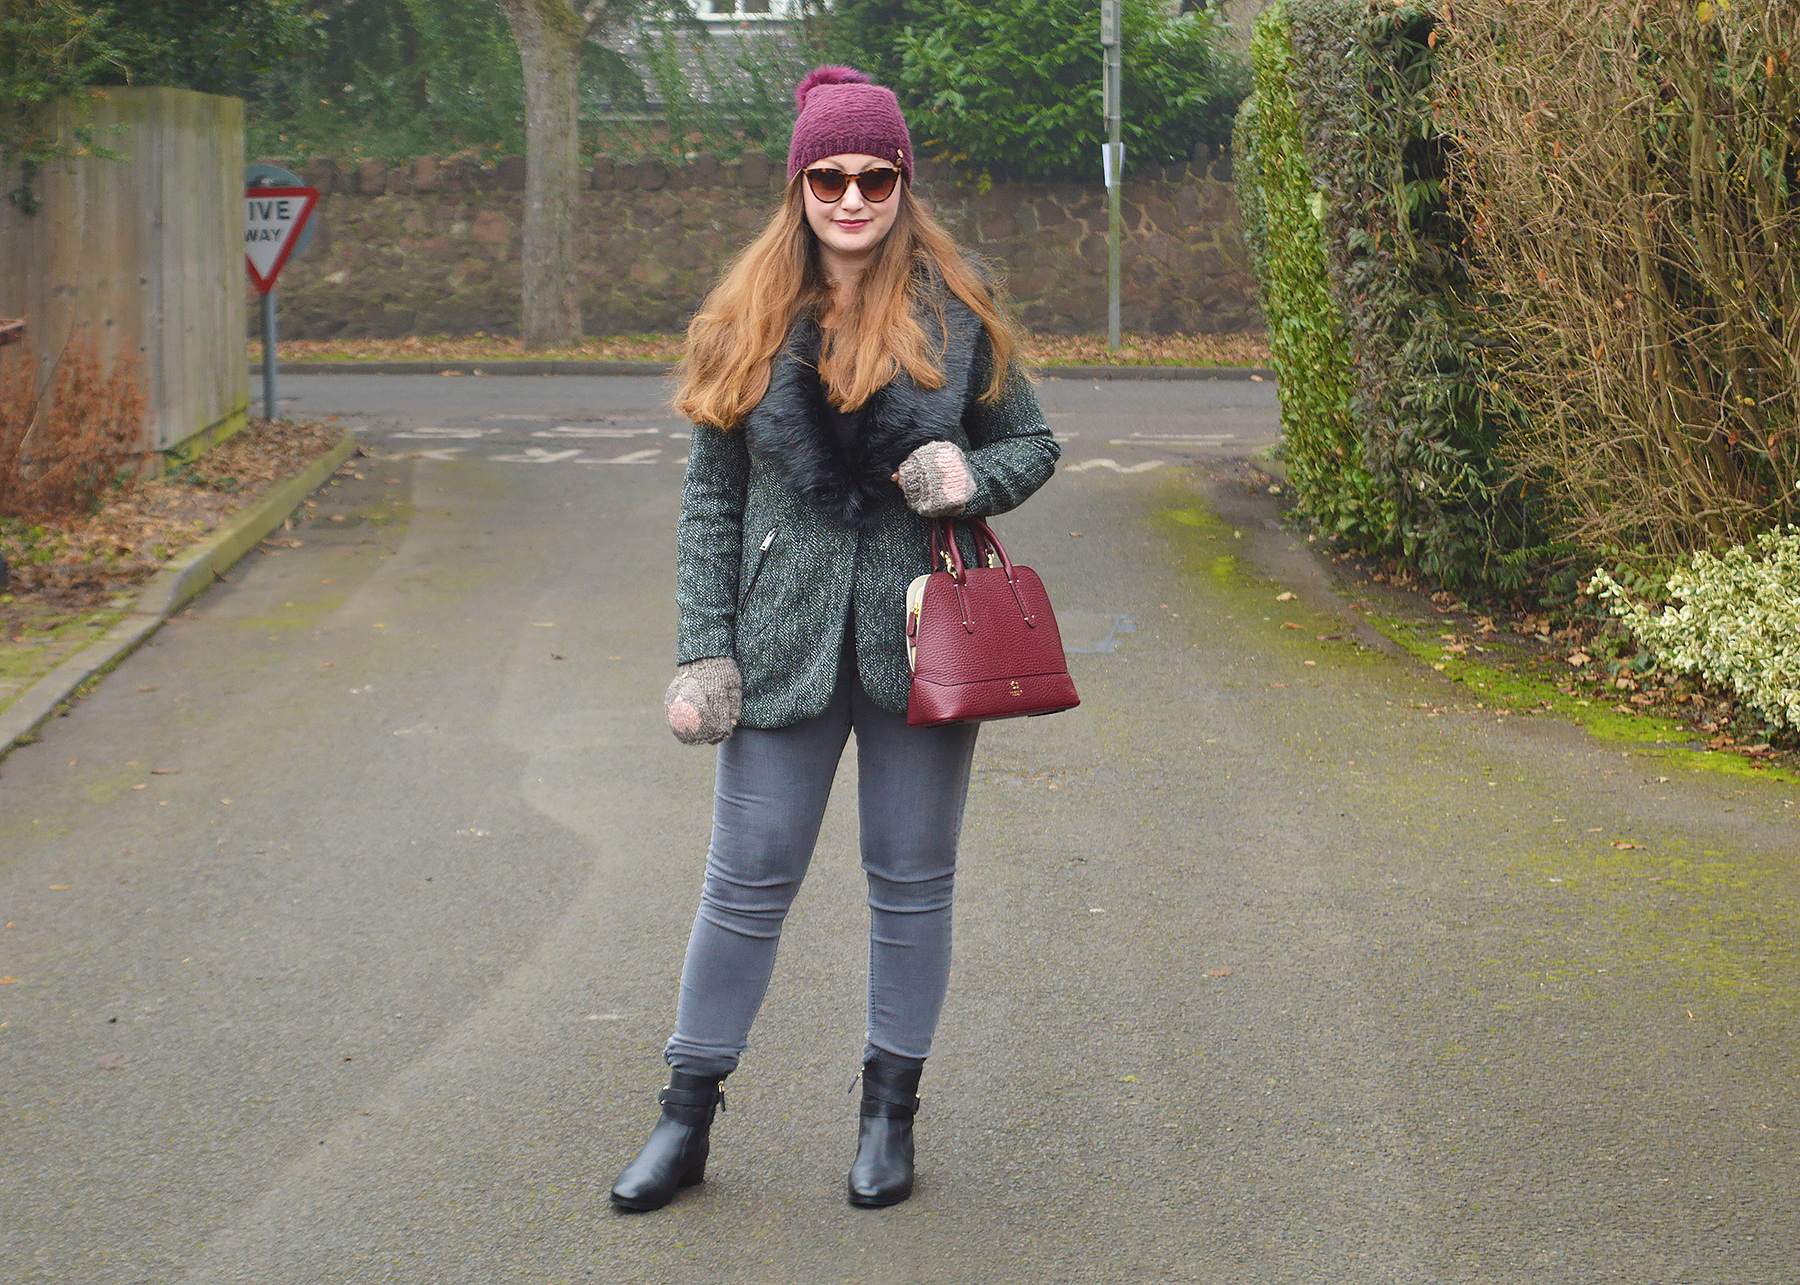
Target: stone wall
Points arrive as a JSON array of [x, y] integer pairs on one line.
[[433, 248]]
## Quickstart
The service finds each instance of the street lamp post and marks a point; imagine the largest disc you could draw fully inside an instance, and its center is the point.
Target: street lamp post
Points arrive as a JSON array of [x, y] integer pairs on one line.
[[1113, 161]]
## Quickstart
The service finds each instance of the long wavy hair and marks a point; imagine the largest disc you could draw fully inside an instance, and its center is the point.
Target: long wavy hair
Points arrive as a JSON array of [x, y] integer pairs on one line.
[[778, 278]]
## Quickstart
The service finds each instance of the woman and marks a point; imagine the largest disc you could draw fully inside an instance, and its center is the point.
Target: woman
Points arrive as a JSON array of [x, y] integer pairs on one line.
[[851, 379]]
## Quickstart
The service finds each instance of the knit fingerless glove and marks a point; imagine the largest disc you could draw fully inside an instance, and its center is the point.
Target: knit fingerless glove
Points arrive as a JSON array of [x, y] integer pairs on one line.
[[705, 700], [936, 480]]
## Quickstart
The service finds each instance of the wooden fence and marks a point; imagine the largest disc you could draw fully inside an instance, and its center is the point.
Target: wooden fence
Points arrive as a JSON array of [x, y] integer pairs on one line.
[[144, 254]]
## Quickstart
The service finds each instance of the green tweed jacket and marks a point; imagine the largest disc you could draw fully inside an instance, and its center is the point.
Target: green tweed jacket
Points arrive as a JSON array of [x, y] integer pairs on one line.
[[788, 532]]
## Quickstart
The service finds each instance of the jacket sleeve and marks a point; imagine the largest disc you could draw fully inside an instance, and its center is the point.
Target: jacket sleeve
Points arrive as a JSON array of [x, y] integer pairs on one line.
[[709, 544], [1012, 452]]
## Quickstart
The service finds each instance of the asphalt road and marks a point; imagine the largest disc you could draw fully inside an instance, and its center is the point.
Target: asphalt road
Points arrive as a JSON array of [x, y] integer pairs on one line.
[[342, 922]]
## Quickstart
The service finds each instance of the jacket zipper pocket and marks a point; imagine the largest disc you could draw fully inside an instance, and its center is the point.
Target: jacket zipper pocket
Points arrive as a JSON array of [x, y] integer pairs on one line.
[[756, 571]]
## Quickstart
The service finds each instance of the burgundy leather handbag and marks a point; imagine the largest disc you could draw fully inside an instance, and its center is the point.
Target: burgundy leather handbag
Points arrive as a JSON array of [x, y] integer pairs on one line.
[[982, 640]]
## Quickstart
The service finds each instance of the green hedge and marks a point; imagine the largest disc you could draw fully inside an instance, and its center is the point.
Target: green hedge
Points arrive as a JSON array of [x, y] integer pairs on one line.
[[1014, 90], [1306, 327], [1349, 85]]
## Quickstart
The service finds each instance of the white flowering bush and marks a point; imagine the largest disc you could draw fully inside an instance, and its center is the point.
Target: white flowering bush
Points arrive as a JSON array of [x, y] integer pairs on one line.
[[1737, 623]]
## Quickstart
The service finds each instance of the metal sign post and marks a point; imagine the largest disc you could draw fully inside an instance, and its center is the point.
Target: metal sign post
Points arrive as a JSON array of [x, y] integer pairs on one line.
[[268, 338], [1112, 159], [277, 226]]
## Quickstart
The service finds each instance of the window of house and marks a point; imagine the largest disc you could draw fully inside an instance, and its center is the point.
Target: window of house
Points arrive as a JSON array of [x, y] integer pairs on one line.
[[742, 8]]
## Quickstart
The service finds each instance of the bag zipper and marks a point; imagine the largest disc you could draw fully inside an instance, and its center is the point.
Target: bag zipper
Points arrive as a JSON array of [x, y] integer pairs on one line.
[[761, 557]]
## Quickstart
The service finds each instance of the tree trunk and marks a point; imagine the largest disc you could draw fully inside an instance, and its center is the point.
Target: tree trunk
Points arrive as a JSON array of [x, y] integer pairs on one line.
[[549, 35]]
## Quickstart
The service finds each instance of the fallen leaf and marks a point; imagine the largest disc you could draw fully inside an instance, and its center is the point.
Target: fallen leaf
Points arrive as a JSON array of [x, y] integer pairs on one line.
[[1075, 534], [544, 624], [1578, 658], [1285, 597], [1220, 972], [141, 786], [1288, 624], [164, 771], [9, 981], [1624, 845], [110, 1061]]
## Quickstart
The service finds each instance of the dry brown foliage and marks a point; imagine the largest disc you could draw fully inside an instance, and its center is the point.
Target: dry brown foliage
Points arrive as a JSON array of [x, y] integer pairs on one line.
[[1045, 350], [63, 445], [74, 560], [1149, 350], [1628, 169]]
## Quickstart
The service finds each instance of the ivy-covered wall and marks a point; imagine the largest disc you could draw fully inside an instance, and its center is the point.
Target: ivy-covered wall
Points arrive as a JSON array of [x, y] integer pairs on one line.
[[430, 248], [1393, 425], [1307, 335]]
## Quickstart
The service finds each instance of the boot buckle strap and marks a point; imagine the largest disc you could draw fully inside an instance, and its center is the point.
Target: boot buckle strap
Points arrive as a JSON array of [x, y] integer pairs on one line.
[[882, 1109], [890, 1093], [672, 1096]]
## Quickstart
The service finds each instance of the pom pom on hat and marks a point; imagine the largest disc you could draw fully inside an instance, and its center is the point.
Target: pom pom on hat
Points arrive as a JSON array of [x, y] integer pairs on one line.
[[827, 75], [842, 113]]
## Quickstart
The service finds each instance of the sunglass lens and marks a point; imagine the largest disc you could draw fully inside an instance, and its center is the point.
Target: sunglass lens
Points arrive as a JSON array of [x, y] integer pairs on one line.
[[828, 185], [877, 185]]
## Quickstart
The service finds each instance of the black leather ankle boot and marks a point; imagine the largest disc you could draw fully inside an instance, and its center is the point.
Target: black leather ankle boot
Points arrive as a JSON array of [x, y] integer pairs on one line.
[[883, 1172], [675, 1155]]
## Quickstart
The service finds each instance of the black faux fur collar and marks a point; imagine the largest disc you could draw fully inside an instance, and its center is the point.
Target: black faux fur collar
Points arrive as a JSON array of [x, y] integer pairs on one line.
[[849, 480]]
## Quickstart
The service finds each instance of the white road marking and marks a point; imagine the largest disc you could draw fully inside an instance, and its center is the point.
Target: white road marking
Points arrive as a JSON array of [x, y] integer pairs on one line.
[[443, 432], [536, 455], [544, 455], [568, 430], [1114, 465]]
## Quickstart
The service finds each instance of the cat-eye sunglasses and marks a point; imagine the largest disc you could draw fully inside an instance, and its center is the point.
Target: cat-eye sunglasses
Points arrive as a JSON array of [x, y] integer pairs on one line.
[[876, 184]]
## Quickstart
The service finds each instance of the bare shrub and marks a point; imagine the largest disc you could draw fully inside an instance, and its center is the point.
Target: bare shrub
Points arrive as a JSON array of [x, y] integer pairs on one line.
[[1628, 172], [63, 445]]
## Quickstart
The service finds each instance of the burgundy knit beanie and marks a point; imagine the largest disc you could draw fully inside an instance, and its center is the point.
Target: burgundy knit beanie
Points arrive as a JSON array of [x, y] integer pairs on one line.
[[841, 113]]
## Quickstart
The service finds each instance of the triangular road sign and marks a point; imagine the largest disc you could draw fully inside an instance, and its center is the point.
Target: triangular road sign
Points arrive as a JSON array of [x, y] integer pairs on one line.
[[273, 220]]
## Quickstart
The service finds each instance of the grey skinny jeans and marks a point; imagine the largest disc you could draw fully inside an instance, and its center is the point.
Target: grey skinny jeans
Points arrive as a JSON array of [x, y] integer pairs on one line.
[[770, 798]]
